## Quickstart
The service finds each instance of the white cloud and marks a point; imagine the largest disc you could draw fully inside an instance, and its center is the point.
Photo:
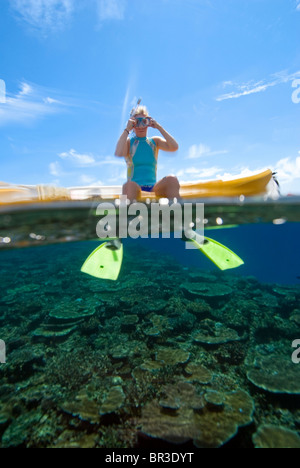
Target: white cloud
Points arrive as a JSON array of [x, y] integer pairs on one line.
[[44, 15], [124, 108], [49, 100], [201, 150], [119, 178], [32, 102], [89, 160], [26, 89], [55, 169], [194, 173], [239, 173], [298, 5], [288, 172], [197, 151], [251, 87], [78, 159], [246, 90], [70, 164], [48, 16], [98, 183], [26, 105], [227, 83], [111, 9], [89, 180]]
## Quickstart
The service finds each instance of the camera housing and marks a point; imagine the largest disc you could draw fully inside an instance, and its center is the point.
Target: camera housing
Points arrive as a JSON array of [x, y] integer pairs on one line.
[[142, 122]]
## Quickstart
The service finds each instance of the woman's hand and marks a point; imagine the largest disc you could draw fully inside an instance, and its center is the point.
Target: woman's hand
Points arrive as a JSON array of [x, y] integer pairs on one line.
[[130, 124], [153, 123]]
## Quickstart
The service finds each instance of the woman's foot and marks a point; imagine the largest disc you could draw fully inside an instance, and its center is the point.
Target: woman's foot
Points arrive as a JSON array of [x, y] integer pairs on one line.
[[114, 244]]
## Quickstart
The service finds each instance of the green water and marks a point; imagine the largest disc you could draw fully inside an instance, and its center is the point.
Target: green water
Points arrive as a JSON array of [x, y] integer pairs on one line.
[[175, 351]]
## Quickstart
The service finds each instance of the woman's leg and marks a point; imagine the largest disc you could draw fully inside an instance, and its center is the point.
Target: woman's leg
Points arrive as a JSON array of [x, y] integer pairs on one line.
[[131, 190], [168, 187]]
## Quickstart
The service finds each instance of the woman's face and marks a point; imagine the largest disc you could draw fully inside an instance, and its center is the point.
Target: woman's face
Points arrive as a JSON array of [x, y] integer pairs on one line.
[[140, 132]]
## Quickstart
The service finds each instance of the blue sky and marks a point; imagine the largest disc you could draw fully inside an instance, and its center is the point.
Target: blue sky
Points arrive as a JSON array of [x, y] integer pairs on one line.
[[222, 76]]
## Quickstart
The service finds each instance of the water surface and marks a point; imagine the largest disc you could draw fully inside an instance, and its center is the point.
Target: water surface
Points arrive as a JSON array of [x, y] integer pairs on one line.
[[175, 351]]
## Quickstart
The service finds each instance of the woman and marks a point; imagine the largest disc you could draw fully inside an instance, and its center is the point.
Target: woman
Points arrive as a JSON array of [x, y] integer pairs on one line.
[[141, 155]]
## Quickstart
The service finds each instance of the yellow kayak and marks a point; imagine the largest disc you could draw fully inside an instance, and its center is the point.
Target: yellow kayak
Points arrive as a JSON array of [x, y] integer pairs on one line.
[[250, 186], [247, 186]]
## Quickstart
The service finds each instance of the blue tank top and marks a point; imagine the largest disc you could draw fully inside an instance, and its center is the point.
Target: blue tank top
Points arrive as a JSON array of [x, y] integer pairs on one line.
[[142, 162]]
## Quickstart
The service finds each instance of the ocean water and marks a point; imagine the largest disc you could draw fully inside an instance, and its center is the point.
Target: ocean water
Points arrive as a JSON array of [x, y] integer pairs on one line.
[[175, 354]]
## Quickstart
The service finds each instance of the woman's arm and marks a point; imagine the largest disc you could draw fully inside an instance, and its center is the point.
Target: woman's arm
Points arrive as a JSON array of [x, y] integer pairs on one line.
[[168, 143], [122, 148], [123, 145]]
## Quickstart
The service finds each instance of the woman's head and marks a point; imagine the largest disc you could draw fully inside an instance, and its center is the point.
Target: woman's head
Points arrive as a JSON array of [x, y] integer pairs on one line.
[[138, 113], [139, 110]]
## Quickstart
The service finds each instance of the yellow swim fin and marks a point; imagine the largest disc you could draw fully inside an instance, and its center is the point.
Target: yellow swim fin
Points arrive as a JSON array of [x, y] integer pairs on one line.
[[104, 263], [218, 253]]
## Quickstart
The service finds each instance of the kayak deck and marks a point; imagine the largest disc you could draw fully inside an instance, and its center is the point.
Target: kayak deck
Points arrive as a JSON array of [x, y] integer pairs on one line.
[[246, 186]]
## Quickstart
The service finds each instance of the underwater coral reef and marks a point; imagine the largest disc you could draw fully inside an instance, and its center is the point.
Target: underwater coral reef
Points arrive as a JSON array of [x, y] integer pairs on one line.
[[166, 354]]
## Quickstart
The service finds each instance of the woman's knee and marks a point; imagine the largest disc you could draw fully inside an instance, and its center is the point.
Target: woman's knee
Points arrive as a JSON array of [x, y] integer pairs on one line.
[[130, 188], [126, 187], [168, 187], [172, 181]]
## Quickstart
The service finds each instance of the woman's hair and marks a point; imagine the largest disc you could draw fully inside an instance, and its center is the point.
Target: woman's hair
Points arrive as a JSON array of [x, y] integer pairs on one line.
[[139, 110]]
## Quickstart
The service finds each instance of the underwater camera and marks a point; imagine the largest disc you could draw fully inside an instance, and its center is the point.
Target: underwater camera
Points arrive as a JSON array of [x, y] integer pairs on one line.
[[142, 122]]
